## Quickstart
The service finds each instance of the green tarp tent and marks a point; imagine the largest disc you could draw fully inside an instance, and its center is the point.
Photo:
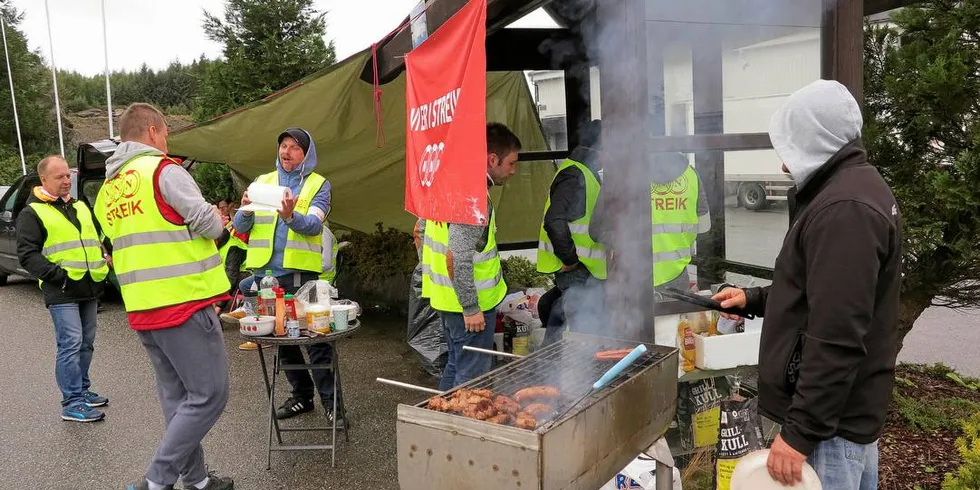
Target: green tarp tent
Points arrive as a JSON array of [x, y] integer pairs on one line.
[[368, 182]]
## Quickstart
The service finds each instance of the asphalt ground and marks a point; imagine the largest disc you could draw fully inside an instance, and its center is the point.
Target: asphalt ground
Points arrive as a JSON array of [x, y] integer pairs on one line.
[[41, 451]]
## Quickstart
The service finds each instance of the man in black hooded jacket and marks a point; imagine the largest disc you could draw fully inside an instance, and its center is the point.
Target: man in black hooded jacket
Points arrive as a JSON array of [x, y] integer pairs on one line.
[[829, 340]]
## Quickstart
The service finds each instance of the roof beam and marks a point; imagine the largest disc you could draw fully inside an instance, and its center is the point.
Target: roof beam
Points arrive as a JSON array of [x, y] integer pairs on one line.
[[391, 53], [532, 49]]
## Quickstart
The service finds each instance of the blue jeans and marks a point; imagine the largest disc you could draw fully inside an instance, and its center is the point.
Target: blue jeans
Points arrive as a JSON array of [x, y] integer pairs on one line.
[[74, 332], [463, 365], [845, 465]]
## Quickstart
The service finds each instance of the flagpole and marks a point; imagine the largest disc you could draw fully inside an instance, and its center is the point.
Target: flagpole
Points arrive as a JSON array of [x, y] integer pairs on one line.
[[54, 77], [13, 98], [108, 89]]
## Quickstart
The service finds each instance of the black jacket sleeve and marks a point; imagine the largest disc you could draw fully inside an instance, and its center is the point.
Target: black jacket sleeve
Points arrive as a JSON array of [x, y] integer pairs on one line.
[[755, 300], [844, 246], [30, 241], [567, 204], [223, 239]]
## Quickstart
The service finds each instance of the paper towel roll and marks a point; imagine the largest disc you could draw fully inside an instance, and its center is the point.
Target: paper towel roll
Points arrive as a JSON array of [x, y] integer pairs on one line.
[[268, 196]]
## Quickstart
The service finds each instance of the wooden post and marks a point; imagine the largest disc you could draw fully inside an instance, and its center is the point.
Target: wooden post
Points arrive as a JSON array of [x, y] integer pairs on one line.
[[578, 105], [710, 165], [623, 68], [842, 45]]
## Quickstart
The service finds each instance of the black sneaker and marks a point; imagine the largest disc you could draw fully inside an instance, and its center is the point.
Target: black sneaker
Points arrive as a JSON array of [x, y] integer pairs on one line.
[[293, 407], [341, 421], [144, 485], [215, 482]]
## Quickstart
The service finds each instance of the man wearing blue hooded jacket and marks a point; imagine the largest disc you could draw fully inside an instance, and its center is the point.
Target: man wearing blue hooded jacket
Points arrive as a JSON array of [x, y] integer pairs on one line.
[[289, 244]]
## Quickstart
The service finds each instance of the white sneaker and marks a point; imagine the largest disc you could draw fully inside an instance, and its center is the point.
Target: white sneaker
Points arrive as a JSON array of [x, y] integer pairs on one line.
[[237, 314]]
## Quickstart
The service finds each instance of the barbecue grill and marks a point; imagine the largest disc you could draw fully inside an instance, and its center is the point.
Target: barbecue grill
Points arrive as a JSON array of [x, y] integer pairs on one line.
[[582, 449]]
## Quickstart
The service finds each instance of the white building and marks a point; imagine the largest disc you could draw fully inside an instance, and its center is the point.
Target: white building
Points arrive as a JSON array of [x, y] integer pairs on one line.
[[758, 76]]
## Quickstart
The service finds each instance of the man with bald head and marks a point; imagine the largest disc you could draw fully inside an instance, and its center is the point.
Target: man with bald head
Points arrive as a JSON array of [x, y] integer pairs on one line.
[[58, 243], [170, 275]]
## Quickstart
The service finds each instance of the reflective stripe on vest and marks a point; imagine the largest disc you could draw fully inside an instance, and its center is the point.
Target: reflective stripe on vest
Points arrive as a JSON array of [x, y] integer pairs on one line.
[[674, 213], [590, 253], [302, 253], [437, 285], [76, 250], [157, 263]]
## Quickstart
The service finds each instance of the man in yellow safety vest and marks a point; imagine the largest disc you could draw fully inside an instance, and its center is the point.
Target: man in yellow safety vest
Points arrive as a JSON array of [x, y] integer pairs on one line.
[[566, 247], [169, 272], [462, 275], [678, 213], [288, 244], [58, 243]]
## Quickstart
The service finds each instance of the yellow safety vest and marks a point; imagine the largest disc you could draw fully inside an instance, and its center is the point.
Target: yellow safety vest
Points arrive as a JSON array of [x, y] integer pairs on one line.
[[674, 212], [302, 253], [330, 272], [157, 263], [590, 253], [76, 251], [436, 282], [233, 241]]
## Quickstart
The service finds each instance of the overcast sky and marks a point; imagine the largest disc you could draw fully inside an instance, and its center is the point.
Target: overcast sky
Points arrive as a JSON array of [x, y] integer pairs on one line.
[[157, 32]]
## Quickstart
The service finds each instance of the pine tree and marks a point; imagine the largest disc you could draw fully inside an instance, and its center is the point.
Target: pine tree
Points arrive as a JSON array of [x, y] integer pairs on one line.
[[922, 80], [35, 101], [268, 45]]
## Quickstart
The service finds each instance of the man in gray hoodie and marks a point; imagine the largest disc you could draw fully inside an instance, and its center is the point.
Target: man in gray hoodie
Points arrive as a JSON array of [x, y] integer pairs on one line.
[[170, 275], [828, 348], [467, 304]]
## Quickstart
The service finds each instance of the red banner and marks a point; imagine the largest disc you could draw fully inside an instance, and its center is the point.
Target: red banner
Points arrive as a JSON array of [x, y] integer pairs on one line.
[[445, 144]]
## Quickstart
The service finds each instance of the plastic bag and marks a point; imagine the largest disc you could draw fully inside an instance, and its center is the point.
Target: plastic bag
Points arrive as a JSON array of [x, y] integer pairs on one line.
[[318, 293], [739, 433], [698, 411], [425, 334], [640, 474]]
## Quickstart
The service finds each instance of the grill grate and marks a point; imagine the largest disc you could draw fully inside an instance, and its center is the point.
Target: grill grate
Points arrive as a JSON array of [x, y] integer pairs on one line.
[[568, 365]]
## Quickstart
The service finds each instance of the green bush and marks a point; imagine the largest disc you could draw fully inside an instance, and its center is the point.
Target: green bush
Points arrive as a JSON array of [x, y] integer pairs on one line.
[[520, 274], [967, 476], [214, 179], [375, 257], [930, 415]]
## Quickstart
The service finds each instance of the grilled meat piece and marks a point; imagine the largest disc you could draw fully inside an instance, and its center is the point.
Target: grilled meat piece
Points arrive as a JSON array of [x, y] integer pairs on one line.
[[534, 394], [539, 410], [502, 419], [506, 404], [526, 421], [438, 404], [485, 393], [479, 411]]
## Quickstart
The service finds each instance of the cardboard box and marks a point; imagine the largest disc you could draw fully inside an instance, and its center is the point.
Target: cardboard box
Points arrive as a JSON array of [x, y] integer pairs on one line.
[[727, 351]]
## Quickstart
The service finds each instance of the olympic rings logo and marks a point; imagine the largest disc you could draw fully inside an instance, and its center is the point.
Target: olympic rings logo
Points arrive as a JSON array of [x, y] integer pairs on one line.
[[430, 162]]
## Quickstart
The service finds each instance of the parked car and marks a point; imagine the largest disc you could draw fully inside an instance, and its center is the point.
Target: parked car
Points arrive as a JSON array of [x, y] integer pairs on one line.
[[87, 177]]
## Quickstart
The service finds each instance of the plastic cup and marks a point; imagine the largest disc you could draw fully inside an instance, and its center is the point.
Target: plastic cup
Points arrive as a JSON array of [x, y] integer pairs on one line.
[[341, 315]]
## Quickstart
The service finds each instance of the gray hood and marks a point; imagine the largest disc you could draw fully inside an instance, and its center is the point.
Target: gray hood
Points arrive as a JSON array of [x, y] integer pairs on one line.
[[813, 125], [126, 151]]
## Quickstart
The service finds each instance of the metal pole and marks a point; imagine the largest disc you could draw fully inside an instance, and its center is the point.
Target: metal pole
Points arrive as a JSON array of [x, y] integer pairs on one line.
[[54, 77], [108, 89], [408, 386], [13, 98]]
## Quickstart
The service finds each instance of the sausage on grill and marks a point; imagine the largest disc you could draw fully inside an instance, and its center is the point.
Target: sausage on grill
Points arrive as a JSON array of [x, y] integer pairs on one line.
[[536, 394], [539, 410], [612, 355]]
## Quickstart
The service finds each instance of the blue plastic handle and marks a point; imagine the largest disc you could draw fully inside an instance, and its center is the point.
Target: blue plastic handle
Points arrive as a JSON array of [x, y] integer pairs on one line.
[[618, 368]]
